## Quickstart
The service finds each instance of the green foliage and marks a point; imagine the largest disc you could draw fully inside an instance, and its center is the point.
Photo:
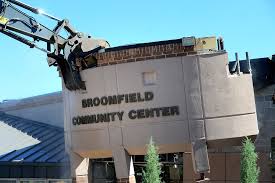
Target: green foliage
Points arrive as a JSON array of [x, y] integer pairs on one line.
[[249, 170], [153, 167]]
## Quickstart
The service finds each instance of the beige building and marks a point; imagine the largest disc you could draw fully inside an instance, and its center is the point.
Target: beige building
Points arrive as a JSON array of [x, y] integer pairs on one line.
[[184, 94], [180, 92]]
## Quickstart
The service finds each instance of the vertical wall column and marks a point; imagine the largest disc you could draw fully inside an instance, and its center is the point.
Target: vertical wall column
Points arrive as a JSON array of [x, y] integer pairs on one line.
[[200, 156], [80, 168], [123, 165], [195, 113], [199, 147]]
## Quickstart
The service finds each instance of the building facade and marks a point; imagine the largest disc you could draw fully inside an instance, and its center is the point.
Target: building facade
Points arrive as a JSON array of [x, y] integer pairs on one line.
[[186, 89]]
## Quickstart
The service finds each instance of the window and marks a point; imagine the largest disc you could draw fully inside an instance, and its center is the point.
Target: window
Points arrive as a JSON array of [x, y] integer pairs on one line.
[[149, 78]]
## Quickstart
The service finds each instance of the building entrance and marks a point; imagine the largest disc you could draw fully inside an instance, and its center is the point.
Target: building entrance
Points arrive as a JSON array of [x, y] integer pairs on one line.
[[172, 167], [103, 170]]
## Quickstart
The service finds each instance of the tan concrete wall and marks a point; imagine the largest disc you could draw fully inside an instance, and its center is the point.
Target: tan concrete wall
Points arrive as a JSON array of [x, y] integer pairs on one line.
[[213, 104], [228, 100], [200, 85], [133, 135]]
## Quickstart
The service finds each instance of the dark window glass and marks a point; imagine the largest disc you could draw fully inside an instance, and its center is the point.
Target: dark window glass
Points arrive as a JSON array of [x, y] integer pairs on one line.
[[139, 158], [162, 157]]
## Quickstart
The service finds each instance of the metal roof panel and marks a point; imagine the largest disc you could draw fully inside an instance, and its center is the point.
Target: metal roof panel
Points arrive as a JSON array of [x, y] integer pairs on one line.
[[40, 142]]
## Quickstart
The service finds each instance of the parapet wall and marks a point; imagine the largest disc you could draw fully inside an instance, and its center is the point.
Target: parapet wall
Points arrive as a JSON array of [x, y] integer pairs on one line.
[[153, 50]]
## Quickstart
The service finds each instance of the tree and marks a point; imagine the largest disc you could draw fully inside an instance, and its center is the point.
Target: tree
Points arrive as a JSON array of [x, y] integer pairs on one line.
[[153, 167], [249, 170]]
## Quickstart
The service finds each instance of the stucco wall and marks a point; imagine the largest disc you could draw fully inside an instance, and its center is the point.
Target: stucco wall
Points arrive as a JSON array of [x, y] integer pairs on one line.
[[212, 103], [46, 108], [50, 113]]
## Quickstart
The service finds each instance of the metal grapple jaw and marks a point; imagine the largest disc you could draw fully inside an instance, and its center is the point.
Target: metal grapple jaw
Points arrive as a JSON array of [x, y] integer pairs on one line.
[[78, 56]]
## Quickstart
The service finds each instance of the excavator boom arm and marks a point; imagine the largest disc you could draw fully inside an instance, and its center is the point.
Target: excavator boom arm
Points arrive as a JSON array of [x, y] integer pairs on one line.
[[66, 53], [13, 19]]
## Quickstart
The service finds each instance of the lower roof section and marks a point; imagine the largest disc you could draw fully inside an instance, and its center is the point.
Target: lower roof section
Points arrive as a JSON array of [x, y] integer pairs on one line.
[[41, 149], [39, 142]]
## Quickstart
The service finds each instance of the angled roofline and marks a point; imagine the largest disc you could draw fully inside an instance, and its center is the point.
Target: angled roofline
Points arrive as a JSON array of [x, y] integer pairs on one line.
[[50, 149], [32, 121], [49, 98]]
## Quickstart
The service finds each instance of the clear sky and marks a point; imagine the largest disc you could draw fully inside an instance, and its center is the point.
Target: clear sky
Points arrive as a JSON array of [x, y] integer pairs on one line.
[[245, 25]]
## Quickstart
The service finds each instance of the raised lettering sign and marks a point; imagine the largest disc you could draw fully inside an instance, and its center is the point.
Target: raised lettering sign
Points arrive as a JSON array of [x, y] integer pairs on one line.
[[118, 116]]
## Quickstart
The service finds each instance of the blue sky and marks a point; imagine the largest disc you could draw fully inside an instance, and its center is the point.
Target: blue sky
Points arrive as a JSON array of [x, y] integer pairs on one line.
[[245, 25]]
